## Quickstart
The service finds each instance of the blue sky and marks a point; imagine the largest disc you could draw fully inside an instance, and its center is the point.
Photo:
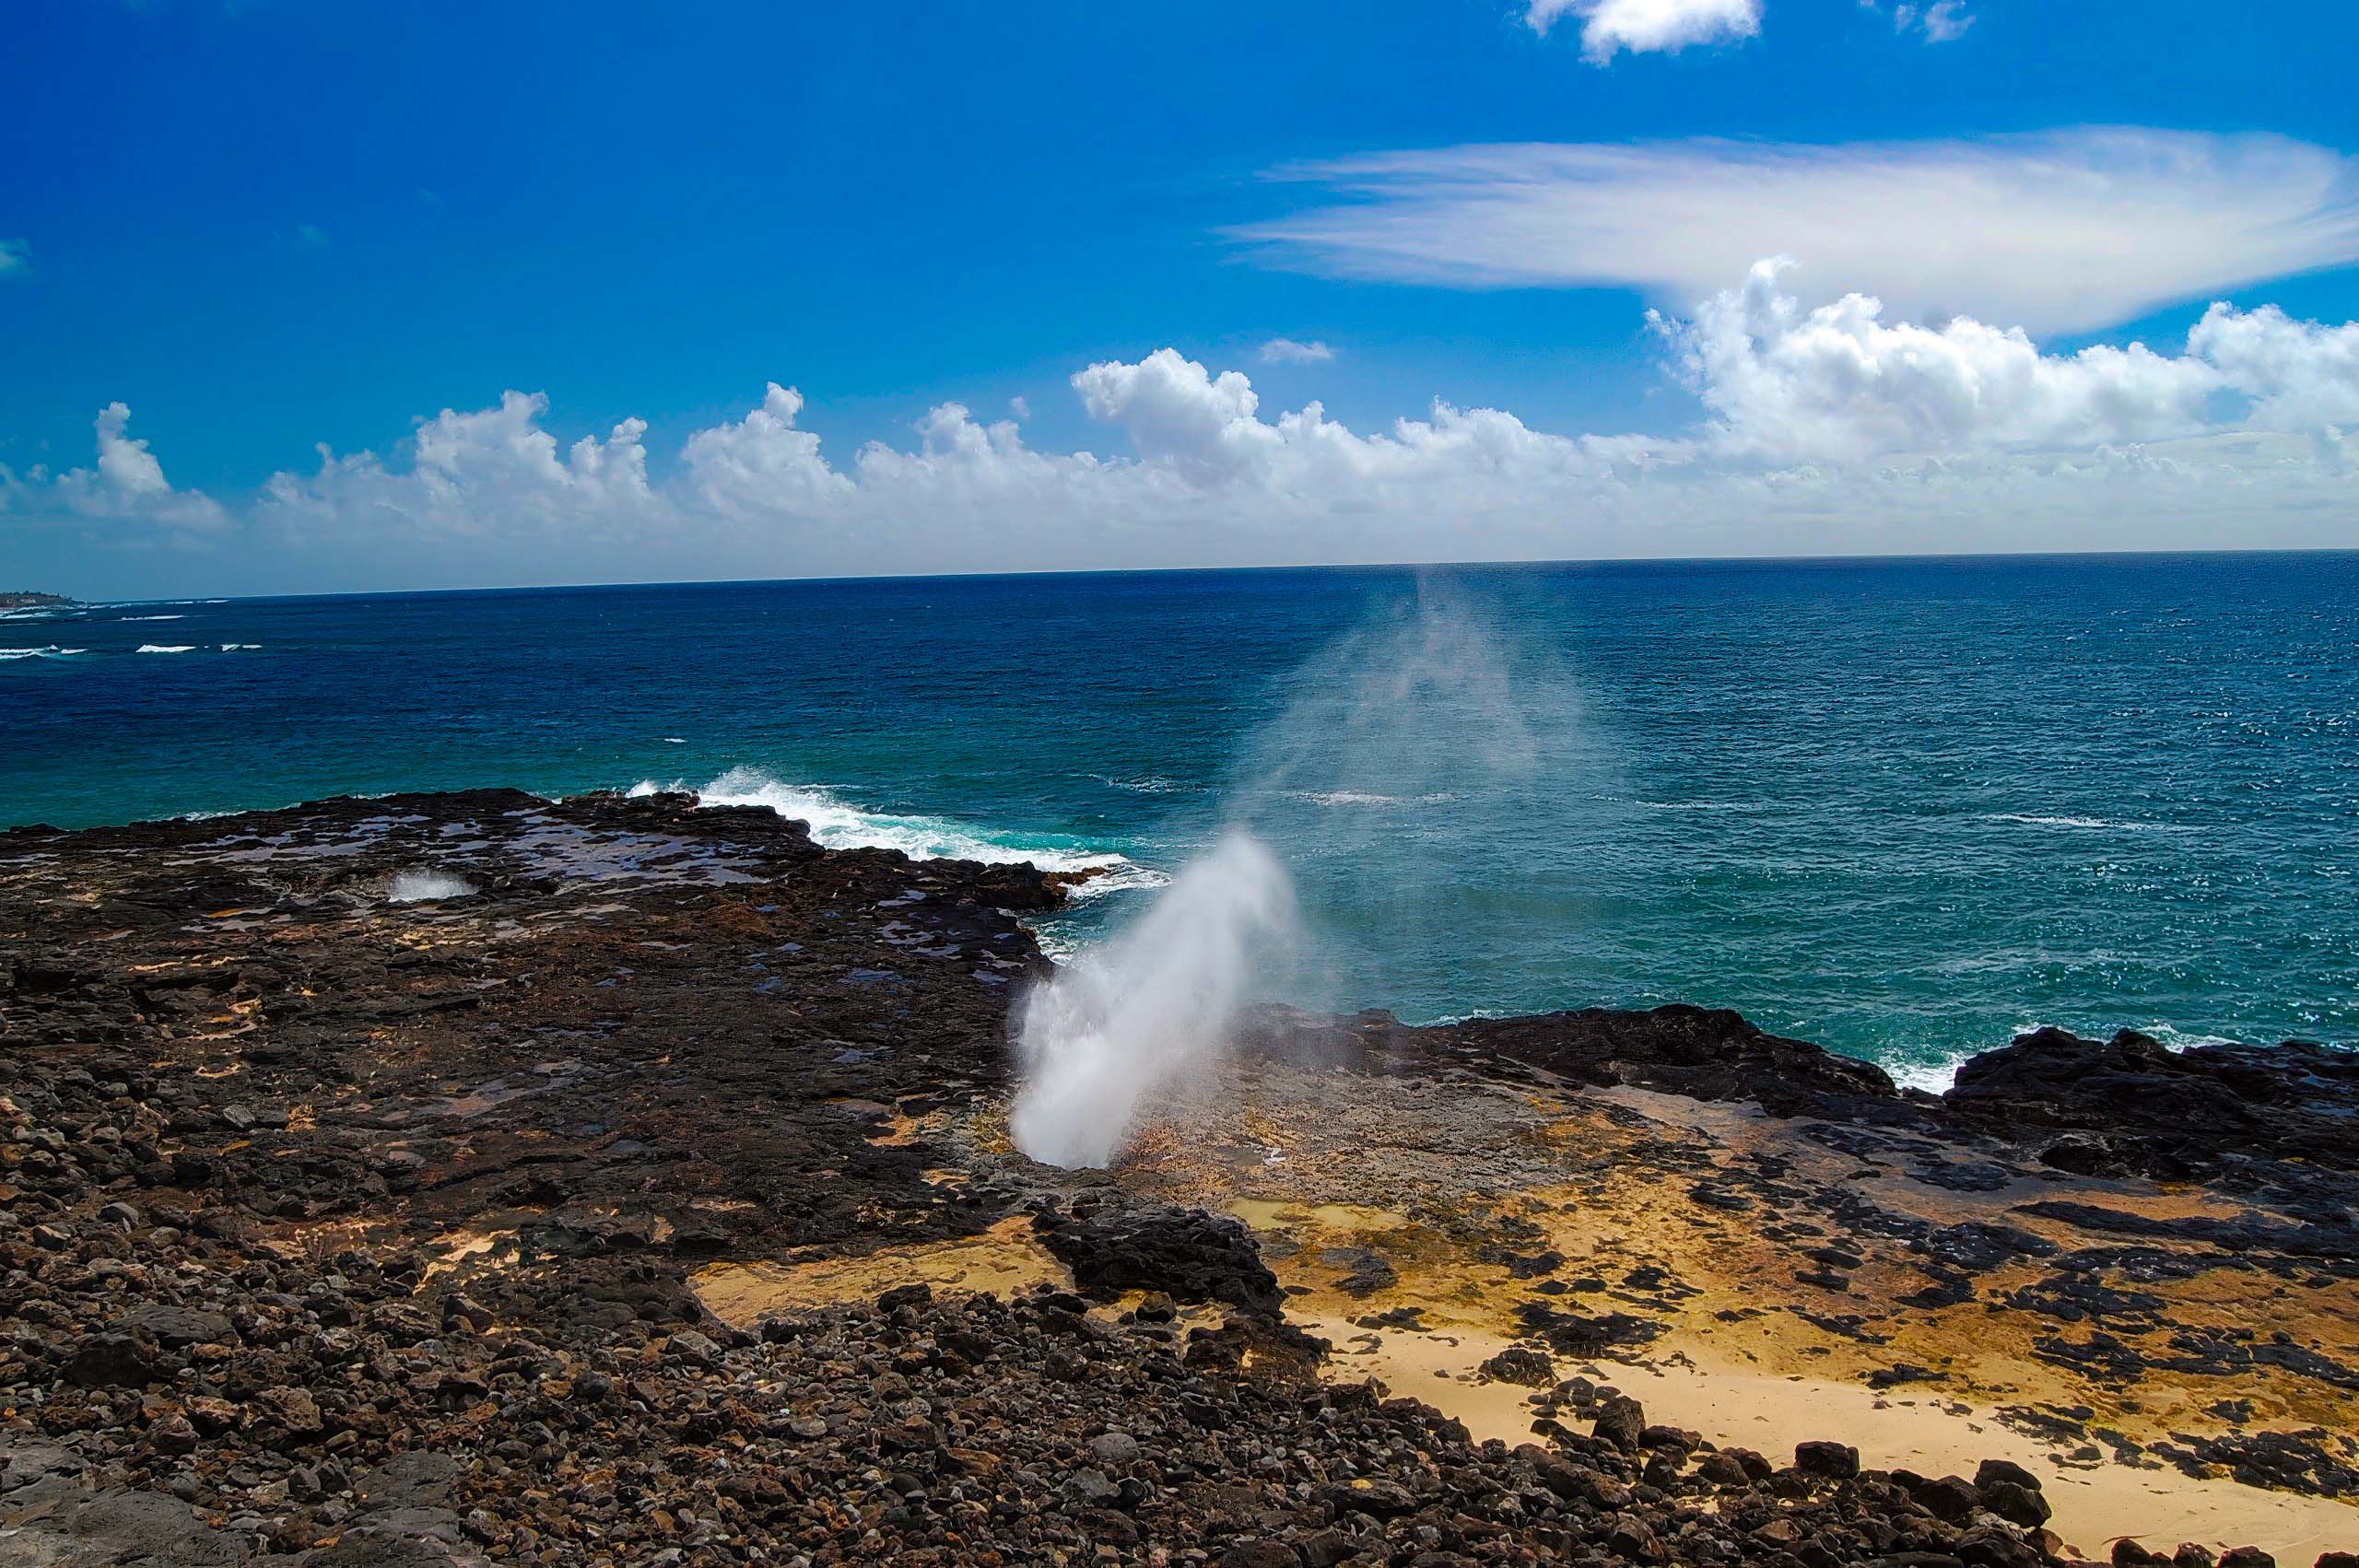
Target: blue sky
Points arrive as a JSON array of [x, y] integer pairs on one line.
[[268, 225]]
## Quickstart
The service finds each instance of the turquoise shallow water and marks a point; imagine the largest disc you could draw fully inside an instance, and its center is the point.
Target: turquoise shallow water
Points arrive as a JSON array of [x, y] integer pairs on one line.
[[1900, 807]]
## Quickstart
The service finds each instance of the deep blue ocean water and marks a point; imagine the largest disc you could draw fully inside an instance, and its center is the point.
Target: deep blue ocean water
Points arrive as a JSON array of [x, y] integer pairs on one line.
[[1903, 808]]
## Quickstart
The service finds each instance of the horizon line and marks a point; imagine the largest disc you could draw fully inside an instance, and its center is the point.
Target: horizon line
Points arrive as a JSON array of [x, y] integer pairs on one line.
[[1860, 558]]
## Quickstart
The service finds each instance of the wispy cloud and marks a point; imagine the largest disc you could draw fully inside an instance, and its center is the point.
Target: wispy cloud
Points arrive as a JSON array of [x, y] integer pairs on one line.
[[2060, 231], [16, 258], [1287, 351], [1943, 21], [1645, 27]]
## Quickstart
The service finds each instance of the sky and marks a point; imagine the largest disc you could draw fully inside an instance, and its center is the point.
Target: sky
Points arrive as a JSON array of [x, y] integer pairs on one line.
[[299, 298]]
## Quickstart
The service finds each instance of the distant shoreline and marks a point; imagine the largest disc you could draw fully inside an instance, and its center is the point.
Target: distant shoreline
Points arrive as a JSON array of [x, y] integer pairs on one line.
[[28, 599]]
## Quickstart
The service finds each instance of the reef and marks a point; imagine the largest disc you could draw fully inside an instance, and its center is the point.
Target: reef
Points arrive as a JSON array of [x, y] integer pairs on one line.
[[472, 1176]]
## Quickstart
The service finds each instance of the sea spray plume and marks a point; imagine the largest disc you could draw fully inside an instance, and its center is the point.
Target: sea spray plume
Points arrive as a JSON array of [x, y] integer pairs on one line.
[[1140, 1011], [1438, 785]]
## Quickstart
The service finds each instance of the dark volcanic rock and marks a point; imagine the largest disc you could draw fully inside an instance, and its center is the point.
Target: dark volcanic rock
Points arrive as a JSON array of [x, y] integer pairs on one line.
[[1706, 1053], [1186, 1253], [2132, 1104], [346, 1232]]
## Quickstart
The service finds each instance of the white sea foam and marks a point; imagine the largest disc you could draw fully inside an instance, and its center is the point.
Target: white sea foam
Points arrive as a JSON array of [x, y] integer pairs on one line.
[[1933, 1077], [1342, 798], [673, 740], [239, 647], [167, 648], [2179, 1040], [837, 823], [49, 650], [424, 886], [1151, 785], [2098, 824], [151, 617], [1137, 1013]]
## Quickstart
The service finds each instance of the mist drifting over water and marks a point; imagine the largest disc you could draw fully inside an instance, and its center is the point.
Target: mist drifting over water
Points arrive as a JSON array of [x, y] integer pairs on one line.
[[1433, 714]]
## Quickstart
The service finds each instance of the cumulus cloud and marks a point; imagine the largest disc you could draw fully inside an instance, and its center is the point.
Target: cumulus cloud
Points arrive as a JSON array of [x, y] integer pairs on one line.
[[1839, 382], [762, 462], [1821, 427], [16, 258], [1287, 351], [490, 471], [2062, 231], [1943, 21], [126, 483], [2299, 375], [1647, 26]]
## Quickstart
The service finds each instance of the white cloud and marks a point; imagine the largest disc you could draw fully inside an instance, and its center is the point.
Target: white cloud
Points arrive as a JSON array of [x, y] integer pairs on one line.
[[16, 258], [1829, 427], [1943, 21], [2299, 374], [2062, 231], [1287, 351], [127, 481], [1838, 382], [1020, 405], [1645, 26], [494, 471]]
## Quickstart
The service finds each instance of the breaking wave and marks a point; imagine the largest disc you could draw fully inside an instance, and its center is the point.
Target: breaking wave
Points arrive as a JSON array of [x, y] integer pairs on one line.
[[151, 617], [167, 648], [837, 823], [1933, 1077], [49, 650]]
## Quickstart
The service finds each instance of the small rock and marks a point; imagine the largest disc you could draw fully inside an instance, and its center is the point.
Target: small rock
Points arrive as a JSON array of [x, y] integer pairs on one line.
[[175, 1434], [689, 1345], [1114, 1448], [1088, 1489], [1261, 1554], [1837, 1462], [1620, 1422]]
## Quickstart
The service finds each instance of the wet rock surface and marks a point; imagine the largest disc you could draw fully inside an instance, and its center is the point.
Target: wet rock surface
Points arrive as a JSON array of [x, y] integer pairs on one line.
[[358, 1164]]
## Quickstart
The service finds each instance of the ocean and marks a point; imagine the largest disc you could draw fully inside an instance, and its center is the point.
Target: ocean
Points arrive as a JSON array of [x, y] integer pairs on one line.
[[1904, 808]]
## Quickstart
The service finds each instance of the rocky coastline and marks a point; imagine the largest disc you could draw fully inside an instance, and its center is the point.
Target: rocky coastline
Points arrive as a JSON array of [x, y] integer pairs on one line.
[[475, 1178]]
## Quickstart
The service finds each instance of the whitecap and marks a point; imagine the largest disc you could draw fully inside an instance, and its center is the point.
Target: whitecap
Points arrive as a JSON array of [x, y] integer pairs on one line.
[[2097, 823], [1342, 797], [48, 650], [239, 647], [167, 648], [1151, 785], [673, 740], [837, 823], [151, 617]]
